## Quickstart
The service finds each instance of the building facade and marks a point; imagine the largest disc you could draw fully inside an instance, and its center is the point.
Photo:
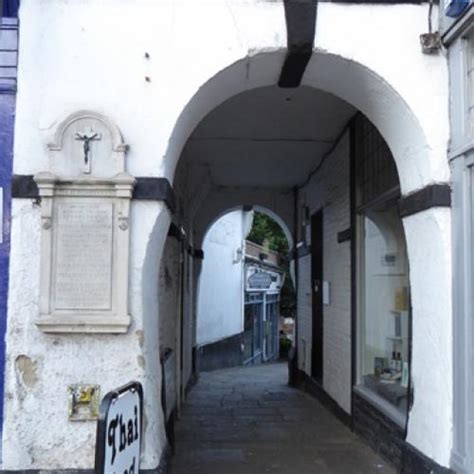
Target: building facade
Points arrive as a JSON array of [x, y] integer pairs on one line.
[[139, 123], [457, 37], [219, 322]]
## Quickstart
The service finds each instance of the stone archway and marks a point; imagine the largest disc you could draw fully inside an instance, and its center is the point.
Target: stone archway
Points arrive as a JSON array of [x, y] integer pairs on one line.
[[418, 144]]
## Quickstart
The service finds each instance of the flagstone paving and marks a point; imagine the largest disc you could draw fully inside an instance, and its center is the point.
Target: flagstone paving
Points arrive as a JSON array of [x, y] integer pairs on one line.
[[246, 420]]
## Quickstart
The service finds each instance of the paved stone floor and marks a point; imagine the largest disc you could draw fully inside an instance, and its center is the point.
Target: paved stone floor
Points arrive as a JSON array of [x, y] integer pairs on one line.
[[247, 420]]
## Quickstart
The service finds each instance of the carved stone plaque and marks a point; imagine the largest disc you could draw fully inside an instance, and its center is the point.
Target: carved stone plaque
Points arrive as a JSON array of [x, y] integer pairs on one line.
[[84, 264], [85, 230]]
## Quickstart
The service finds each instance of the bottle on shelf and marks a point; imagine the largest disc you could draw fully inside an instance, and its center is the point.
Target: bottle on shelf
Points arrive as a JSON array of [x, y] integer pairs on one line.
[[399, 363], [393, 361]]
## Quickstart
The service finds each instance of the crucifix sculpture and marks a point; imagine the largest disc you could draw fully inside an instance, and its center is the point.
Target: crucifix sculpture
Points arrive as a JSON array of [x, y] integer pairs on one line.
[[86, 137]]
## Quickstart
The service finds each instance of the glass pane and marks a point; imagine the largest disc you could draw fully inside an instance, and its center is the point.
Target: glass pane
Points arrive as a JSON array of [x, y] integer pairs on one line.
[[258, 321], [385, 306], [248, 331]]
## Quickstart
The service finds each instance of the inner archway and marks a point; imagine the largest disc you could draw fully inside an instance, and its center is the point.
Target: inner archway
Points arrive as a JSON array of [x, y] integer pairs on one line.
[[244, 276]]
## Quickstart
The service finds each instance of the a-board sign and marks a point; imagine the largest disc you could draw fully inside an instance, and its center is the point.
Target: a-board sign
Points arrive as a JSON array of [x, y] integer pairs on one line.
[[119, 431]]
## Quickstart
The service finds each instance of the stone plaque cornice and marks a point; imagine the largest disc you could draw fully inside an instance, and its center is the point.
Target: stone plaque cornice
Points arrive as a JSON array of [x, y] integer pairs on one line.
[[120, 185]]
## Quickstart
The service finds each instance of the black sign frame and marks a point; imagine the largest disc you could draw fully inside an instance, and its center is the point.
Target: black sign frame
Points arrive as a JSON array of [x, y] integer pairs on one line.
[[102, 421]]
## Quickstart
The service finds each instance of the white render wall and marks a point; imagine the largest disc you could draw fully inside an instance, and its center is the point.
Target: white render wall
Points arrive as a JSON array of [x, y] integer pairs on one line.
[[220, 299], [91, 55], [330, 189], [40, 366]]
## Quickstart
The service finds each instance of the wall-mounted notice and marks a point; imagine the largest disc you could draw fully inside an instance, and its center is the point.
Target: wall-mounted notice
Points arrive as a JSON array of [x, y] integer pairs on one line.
[[85, 213], [119, 431]]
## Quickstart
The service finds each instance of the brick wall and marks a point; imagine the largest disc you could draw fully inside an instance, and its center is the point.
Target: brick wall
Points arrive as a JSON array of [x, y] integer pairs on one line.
[[254, 250], [330, 189]]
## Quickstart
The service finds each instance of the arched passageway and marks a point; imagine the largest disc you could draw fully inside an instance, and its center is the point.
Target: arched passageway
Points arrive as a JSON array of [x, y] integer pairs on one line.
[[314, 159]]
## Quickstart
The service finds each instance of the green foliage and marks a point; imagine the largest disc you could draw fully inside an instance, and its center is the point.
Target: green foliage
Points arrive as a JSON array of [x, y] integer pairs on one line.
[[266, 231]]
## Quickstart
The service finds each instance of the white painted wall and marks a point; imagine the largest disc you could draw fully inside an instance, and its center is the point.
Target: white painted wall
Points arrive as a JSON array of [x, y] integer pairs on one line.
[[220, 301], [91, 55]]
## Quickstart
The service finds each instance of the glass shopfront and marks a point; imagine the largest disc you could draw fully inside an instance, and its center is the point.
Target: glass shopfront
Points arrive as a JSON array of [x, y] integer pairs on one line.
[[385, 306], [261, 316], [383, 280]]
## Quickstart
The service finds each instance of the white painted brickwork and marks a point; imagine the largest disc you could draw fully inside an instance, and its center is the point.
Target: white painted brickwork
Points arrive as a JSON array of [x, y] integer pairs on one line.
[[329, 189]]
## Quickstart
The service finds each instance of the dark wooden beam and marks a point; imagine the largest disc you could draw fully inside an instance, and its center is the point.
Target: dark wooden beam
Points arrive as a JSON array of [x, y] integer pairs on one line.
[[433, 195], [300, 18]]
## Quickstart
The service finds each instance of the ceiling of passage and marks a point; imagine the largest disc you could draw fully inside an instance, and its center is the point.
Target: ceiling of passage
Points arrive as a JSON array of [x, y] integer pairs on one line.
[[267, 137]]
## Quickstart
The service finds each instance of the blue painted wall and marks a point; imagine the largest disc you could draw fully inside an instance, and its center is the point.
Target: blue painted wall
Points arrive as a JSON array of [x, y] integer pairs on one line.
[[8, 61], [9, 8]]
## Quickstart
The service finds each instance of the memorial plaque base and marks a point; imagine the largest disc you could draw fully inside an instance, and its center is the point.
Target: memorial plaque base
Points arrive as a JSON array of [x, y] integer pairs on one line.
[[83, 324]]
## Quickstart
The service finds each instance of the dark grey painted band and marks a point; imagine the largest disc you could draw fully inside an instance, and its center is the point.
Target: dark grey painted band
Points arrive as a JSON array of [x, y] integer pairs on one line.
[[175, 232], [24, 186], [344, 236], [196, 253], [155, 189], [300, 18], [317, 391], [434, 195], [302, 251], [158, 470], [147, 188], [162, 468], [199, 254], [414, 461], [388, 439], [221, 354]]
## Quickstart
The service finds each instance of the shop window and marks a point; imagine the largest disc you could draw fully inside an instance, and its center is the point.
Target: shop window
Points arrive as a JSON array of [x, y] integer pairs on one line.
[[253, 321], [383, 283], [385, 306]]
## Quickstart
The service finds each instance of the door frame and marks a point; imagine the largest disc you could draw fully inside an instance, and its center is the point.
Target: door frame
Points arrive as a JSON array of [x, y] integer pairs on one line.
[[317, 277]]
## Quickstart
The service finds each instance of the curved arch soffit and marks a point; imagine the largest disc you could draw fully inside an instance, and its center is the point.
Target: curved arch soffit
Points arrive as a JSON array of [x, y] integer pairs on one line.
[[264, 210], [344, 78]]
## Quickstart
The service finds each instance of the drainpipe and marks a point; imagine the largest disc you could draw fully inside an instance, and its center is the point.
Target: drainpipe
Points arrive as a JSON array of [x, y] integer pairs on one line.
[[293, 356], [179, 326]]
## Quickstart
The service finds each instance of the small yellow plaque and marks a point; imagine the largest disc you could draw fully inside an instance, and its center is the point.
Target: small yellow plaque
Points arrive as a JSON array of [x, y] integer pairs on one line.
[[83, 402]]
